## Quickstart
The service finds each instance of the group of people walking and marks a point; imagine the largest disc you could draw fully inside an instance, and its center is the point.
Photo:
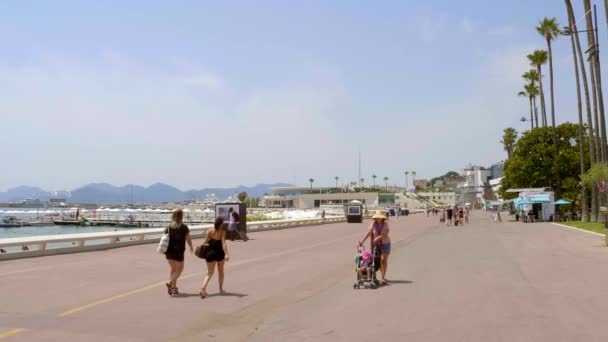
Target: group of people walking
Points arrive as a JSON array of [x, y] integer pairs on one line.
[[216, 252], [454, 215]]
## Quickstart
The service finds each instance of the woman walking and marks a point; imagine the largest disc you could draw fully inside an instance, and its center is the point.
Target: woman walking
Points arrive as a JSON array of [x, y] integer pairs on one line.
[[216, 255], [378, 232], [179, 234]]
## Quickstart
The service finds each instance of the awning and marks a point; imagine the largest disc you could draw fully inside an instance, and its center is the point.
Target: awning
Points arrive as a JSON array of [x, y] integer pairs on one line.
[[562, 201], [540, 199]]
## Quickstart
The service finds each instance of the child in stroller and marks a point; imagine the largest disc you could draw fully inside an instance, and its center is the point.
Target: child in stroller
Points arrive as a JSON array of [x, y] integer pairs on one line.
[[366, 266]]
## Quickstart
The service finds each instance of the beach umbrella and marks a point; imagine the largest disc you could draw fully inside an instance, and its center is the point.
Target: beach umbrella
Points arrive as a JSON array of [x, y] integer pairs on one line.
[[561, 202]]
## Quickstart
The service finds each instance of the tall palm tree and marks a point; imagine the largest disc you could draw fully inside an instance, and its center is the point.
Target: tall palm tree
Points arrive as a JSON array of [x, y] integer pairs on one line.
[[374, 179], [414, 179], [530, 90], [596, 82], [581, 61], [538, 58], [311, 180], [580, 112], [336, 178], [362, 182], [386, 183], [407, 173], [508, 140], [549, 29], [532, 77]]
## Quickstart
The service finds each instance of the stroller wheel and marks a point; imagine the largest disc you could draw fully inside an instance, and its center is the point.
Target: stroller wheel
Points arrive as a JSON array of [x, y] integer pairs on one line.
[[356, 286], [372, 285]]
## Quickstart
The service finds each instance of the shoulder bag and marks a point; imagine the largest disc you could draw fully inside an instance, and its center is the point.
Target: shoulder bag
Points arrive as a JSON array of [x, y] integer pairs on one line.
[[163, 245]]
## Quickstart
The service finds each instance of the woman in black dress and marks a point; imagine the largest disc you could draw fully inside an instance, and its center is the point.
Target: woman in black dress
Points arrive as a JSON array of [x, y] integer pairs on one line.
[[217, 254], [179, 234]]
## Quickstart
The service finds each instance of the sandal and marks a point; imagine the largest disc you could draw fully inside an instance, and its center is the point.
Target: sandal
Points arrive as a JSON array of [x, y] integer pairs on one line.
[[169, 289], [203, 294]]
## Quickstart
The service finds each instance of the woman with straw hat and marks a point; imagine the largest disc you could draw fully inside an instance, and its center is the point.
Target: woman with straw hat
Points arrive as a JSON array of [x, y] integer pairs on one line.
[[378, 232]]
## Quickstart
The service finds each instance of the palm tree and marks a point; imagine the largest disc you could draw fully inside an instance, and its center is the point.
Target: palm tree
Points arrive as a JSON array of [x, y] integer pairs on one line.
[[581, 61], [407, 173], [414, 179], [549, 28], [538, 58], [508, 140], [526, 93], [596, 83], [311, 180], [374, 179], [362, 182], [532, 77], [336, 178], [386, 183], [581, 129]]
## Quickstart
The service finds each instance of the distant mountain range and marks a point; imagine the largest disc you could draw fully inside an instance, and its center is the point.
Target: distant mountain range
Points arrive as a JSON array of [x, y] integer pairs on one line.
[[104, 193]]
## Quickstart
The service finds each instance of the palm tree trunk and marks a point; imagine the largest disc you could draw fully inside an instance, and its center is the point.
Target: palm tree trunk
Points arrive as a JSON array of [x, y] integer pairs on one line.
[[535, 111], [595, 59], [551, 90], [581, 60], [542, 96], [581, 139], [598, 140], [531, 115]]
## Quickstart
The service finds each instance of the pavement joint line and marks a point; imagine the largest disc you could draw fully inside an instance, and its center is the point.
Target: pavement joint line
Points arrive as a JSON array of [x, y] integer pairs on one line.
[[11, 333], [582, 230], [162, 283]]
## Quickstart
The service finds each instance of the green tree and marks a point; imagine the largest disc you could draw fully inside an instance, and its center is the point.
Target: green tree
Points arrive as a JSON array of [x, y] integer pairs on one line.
[[242, 196], [336, 178], [386, 183], [374, 180], [537, 162], [537, 59], [406, 179], [509, 138], [311, 180], [549, 29]]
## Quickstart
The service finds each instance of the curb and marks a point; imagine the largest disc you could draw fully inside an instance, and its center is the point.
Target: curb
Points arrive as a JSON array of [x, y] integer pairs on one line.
[[582, 230]]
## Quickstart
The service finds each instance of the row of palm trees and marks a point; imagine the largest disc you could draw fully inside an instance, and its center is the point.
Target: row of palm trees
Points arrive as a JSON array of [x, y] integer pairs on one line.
[[595, 122], [362, 180]]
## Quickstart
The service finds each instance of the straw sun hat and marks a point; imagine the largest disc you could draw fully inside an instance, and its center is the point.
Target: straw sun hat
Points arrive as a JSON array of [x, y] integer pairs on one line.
[[378, 215]]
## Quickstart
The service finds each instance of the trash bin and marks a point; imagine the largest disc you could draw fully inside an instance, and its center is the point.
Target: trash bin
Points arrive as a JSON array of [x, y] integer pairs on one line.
[[354, 213]]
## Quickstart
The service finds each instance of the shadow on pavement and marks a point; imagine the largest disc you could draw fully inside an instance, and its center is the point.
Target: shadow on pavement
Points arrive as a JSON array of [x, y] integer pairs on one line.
[[391, 282], [229, 294]]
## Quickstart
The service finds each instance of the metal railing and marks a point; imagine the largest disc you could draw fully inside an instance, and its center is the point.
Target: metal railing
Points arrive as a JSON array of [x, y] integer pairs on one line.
[[25, 247]]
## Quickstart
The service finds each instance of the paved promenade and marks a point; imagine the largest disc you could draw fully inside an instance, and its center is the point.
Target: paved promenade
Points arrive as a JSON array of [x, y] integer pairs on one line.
[[481, 282]]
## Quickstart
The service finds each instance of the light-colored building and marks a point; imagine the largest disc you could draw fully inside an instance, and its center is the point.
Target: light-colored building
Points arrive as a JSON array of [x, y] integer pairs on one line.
[[439, 198], [315, 197], [472, 189]]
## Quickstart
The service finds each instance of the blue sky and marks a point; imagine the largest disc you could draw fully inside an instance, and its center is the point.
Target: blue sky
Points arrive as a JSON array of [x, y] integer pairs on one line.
[[221, 93]]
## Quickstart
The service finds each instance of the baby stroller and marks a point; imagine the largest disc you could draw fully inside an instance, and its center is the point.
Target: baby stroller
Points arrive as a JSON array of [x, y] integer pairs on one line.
[[374, 263]]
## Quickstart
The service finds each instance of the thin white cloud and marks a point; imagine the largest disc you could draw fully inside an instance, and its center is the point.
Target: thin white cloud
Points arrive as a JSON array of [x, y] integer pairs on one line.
[[431, 27]]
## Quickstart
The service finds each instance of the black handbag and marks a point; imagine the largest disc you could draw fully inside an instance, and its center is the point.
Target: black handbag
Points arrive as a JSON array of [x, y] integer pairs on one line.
[[201, 251]]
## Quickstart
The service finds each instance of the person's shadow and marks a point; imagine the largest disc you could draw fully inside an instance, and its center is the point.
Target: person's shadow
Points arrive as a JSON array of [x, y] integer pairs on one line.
[[396, 282], [227, 294]]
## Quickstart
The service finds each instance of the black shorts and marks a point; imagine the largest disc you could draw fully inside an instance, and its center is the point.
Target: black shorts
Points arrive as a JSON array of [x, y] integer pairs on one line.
[[215, 255], [177, 255]]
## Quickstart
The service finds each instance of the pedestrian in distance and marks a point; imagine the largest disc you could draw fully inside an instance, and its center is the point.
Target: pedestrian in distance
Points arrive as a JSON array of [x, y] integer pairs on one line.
[[179, 235], [378, 233], [449, 213], [216, 255]]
